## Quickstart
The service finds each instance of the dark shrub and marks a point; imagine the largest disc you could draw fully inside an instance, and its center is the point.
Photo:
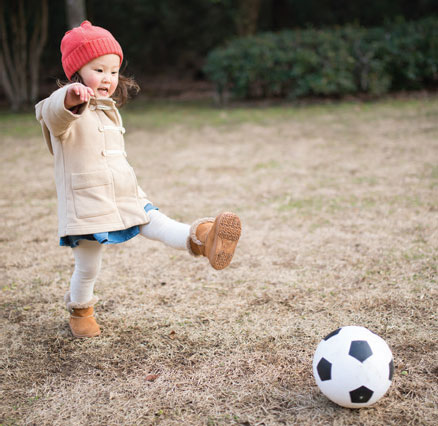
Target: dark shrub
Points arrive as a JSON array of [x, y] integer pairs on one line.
[[331, 62]]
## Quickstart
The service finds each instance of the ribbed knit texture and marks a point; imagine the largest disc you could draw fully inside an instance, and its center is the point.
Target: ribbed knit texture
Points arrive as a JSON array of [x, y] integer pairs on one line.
[[85, 43]]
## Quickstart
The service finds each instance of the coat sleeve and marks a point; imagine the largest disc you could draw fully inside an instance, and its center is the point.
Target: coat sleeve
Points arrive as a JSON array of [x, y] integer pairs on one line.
[[56, 117]]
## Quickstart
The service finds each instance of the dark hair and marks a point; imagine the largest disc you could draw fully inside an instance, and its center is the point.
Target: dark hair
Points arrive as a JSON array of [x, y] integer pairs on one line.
[[125, 87]]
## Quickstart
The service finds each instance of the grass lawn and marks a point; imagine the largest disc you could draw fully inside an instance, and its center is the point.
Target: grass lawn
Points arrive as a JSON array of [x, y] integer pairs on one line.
[[339, 206]]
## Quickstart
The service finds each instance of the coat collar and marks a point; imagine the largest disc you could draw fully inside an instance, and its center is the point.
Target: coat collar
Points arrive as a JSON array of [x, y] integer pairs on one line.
[[102, 101]]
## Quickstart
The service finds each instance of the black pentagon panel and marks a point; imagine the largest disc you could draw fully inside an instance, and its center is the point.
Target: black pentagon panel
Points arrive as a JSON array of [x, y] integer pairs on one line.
[[324, 369], [360, 349], [361, 395], [391, 369], [333, 333]]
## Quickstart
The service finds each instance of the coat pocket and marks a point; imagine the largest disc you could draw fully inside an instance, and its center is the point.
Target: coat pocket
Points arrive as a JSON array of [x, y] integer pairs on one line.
[[93, 193]]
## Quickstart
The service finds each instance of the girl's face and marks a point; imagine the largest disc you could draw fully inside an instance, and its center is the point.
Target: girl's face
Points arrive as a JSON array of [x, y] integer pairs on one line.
[[102, 75]]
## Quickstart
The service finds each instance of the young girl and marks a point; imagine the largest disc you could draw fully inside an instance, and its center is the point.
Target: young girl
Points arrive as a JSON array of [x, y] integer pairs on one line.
[[99, 200]]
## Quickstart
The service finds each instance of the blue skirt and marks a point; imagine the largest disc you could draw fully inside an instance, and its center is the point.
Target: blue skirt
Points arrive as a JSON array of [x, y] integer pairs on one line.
[[112, 237]]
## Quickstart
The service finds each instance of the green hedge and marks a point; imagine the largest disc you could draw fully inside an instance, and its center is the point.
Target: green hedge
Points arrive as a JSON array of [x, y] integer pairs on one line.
[[331, 62]]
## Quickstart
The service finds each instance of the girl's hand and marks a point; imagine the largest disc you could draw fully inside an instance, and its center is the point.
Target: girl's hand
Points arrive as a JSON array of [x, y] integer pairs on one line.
[[77, 94]]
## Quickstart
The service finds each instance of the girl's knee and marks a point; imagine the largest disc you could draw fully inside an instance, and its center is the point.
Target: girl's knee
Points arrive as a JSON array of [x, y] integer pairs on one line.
[[88, 272]]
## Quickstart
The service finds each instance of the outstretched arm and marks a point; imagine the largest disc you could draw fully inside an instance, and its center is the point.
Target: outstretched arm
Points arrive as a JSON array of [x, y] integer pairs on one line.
[[63, 107]]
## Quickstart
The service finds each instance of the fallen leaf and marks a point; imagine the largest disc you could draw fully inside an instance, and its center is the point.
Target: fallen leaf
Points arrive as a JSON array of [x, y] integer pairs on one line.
[[152, 377], [172, 335]]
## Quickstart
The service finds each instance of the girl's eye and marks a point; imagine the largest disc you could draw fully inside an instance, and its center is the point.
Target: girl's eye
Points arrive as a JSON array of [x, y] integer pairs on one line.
[[99, 70], [114, 72]]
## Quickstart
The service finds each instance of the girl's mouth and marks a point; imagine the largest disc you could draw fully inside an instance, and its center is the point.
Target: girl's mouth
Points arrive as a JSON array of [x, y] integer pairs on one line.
[[102, 91]]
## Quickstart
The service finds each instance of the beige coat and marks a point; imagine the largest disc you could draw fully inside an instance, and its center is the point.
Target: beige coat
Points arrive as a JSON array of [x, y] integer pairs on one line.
[[97, 188]]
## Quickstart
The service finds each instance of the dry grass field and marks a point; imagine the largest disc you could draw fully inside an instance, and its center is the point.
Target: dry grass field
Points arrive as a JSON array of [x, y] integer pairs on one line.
[[339, 205]]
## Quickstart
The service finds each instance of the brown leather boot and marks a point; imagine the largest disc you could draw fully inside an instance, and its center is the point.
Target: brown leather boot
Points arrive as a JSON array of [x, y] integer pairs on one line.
[[82, 321], [215, 239]]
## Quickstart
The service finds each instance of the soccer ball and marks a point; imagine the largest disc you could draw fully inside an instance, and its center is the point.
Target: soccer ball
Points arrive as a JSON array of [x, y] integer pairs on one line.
[[353, 367]]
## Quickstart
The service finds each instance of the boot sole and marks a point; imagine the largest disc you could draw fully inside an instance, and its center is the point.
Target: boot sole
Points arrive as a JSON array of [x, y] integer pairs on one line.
[[227, 234], [83, 336]]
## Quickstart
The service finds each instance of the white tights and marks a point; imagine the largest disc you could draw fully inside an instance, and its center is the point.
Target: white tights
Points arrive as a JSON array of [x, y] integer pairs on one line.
[[88, 254]]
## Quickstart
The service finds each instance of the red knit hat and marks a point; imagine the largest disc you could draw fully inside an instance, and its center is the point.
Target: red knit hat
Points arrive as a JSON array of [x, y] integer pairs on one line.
[[85, 43]]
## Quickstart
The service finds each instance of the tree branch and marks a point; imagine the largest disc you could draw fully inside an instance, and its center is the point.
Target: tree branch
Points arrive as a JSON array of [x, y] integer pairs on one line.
[[22, 51], [37, 43], [9, 76]]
